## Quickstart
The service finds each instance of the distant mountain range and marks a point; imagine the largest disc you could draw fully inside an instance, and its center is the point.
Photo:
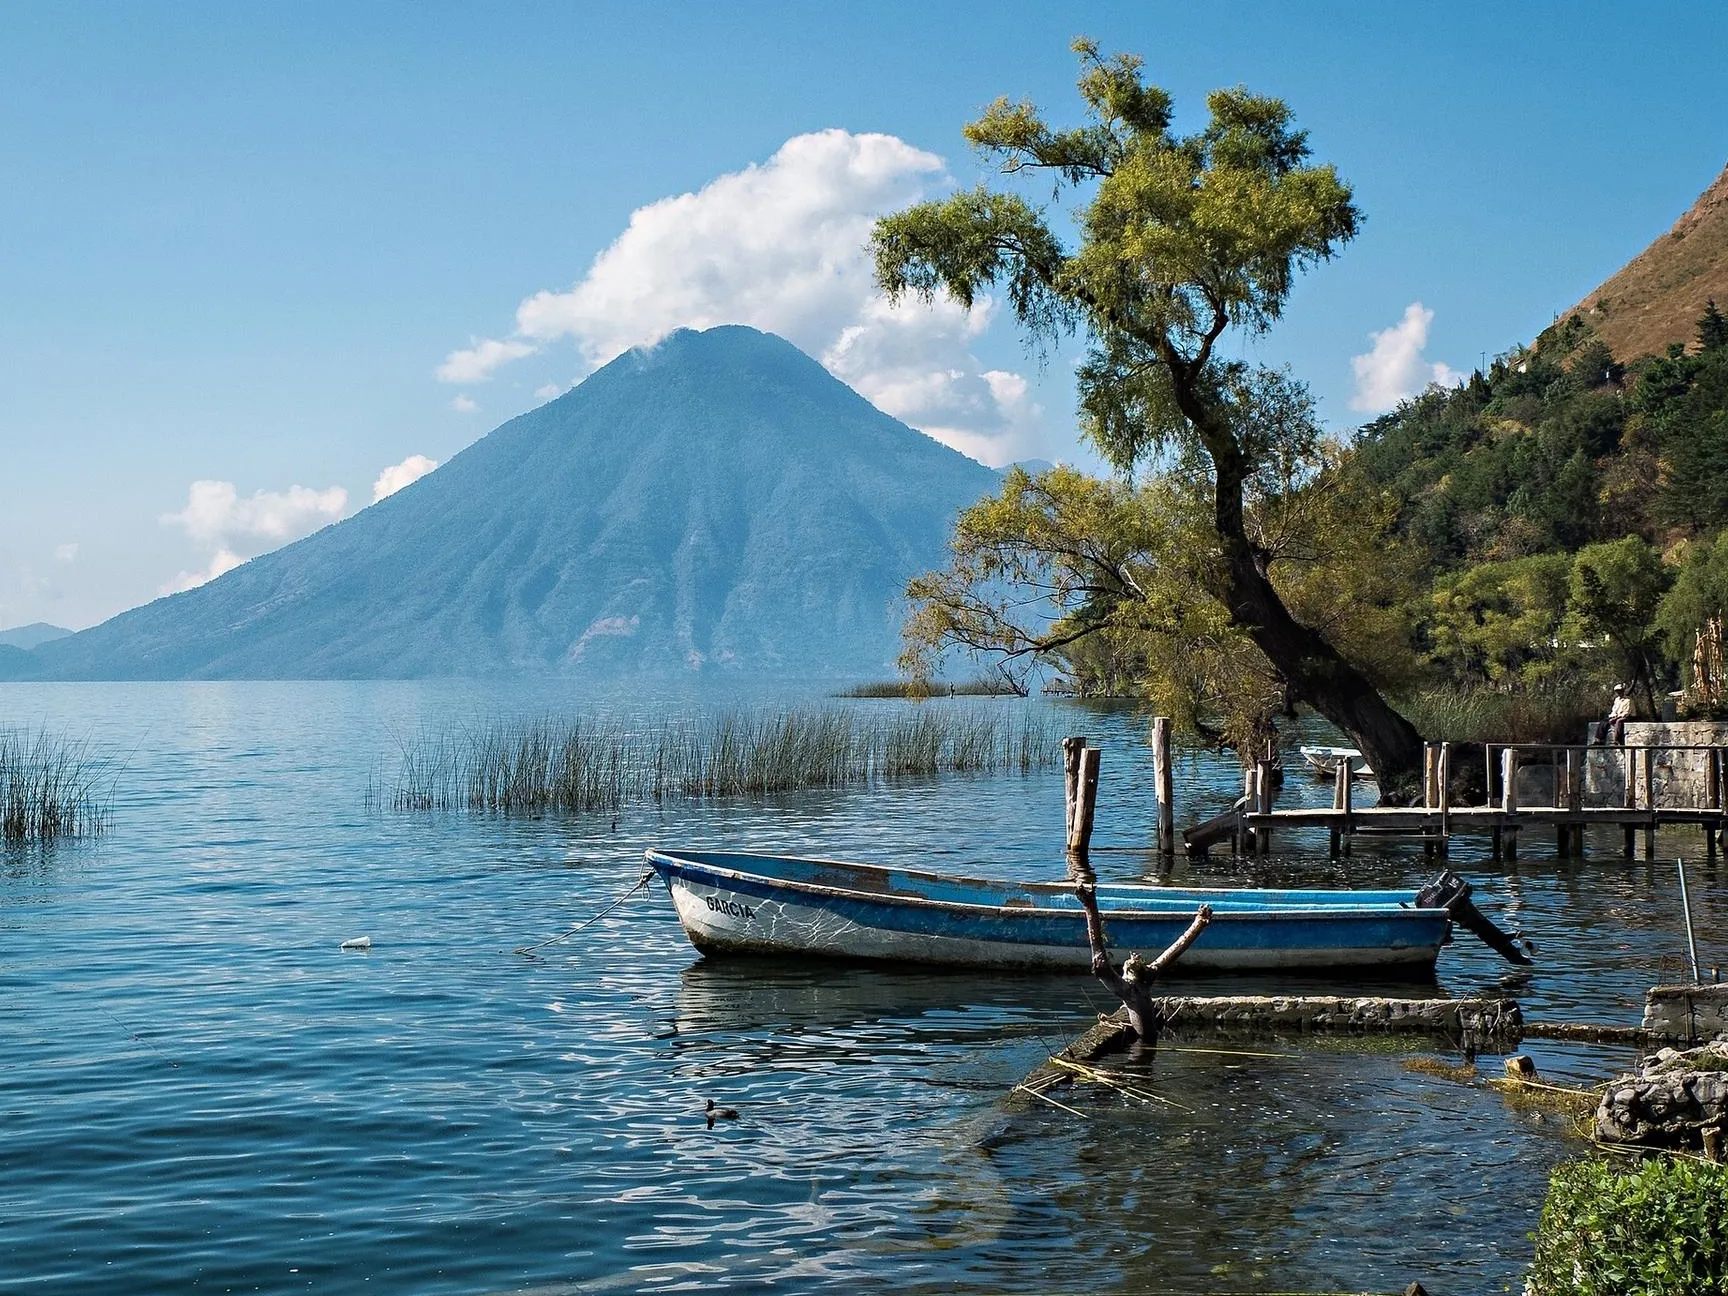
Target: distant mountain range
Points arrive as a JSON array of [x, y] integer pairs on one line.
[[33, 635], [718, 502], [1657, 297]]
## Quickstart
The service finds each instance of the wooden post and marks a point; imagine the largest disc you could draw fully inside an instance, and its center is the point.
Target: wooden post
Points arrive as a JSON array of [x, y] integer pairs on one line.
[[1575, 800], [1630, 799], [1444, 769], [1717, 832], [1071, 749], [1239, 842], [1650, 802], [1509, 800], [1080, 831], [1165, 785], [1346, 797], [1430, 790], [1263, 803], [1339, 796]]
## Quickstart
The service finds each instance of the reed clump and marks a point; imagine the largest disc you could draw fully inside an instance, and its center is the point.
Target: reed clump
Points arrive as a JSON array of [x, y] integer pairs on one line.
[[50, 787], [577, 766], [919, 689], [1557, 714]]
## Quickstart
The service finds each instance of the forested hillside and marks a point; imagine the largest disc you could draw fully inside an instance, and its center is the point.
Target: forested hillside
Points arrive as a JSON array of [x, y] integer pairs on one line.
[[1568, 506]]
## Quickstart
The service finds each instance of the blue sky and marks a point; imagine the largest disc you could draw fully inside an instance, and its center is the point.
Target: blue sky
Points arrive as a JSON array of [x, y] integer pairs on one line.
[[238, 243]]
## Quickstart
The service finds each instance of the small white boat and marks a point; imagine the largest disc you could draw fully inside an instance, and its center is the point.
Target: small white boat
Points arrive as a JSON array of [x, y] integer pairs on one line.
[[732, 902], [1324, 760]]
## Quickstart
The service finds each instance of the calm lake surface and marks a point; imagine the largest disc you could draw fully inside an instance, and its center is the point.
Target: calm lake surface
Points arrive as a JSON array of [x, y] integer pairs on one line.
[[200, 1091]]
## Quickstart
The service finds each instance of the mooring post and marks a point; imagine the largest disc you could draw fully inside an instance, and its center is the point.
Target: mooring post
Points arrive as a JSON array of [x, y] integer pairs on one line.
[[1346, 802], [1430, 789], [1245, 833], [1509, 800], [1445, 777], [1650, 802], [1630, 800], [1575, 760], [1263, 802], [1566, 796], [1071, 749], [1164, 784], [1712, 796], [1333, 835], [1080, 837], [1721, 802]]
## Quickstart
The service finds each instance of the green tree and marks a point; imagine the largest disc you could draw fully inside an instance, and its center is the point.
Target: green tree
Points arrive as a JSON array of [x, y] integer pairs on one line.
[[1181, 239], [1691, 619], [1113, 580], [1616, 589], [1712, 328], [1499, 623]]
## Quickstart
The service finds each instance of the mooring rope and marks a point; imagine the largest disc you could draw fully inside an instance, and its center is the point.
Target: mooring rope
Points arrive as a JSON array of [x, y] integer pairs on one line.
[[647, 877]]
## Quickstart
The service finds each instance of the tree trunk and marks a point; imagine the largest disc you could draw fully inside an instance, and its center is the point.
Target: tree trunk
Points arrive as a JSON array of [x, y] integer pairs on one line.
[[1319, 675], [1316, 672]]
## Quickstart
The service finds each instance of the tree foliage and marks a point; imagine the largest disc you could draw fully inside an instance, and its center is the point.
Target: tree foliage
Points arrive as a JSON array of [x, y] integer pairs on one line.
[[1507, 535], [1181, 239]]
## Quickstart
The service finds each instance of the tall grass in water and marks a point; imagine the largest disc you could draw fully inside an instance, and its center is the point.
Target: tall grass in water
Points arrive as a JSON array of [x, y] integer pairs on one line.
[[918, 689], [533, 767], [49, 787], [581, 766], [1490, 715]]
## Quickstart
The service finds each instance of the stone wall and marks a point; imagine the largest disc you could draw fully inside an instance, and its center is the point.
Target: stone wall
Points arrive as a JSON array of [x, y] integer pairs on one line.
[[1683, 1014], [1673, 1100], [1681, 777]]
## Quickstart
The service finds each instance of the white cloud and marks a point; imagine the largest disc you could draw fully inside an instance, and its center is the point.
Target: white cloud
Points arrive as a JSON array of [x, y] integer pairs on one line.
[[224, 560], [216, 515], [477, 362], [548, 392], [396, 476], [783, 246], [66, 552], [1394, 370], [464, 405]]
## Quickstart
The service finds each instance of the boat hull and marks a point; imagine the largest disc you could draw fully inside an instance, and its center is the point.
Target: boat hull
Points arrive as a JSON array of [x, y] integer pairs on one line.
[[726, 908]]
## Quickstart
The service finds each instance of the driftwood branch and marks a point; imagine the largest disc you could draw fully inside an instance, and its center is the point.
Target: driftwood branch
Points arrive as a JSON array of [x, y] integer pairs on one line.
[[1133, 983]]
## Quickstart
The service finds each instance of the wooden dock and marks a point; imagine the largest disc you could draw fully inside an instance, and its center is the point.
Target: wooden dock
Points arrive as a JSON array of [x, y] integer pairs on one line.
[[1531, 787]]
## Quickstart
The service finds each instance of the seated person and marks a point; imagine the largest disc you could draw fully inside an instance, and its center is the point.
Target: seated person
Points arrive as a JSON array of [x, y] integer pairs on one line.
[[1618, 715]]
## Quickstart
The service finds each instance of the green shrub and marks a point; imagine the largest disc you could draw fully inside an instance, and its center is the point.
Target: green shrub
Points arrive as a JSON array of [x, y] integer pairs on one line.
[[1657, 1229]]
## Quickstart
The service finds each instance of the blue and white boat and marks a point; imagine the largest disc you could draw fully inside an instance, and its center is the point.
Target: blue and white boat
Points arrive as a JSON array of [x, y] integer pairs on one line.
[[779, 904]]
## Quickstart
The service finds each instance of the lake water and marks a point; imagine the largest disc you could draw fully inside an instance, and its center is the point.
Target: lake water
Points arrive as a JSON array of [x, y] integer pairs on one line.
[[200, 1091]]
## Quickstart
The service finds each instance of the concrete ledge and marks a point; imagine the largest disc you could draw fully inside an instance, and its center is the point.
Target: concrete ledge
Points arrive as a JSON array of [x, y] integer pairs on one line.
[[1686, 1014], [1498, 1017]]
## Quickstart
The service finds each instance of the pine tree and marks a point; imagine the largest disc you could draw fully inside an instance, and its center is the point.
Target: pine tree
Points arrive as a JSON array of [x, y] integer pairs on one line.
[[1712, 328]]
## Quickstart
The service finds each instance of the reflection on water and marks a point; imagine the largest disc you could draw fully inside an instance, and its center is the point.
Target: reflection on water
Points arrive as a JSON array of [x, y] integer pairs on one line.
[[199, 1088]]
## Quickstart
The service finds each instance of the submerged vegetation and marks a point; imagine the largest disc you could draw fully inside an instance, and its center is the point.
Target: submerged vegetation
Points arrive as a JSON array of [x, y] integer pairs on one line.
[[585, 766], [50, 787]]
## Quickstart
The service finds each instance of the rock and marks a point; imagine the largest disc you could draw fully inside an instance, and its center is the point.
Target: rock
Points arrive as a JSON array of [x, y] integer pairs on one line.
[[1519, 1067], [1672, 1099]]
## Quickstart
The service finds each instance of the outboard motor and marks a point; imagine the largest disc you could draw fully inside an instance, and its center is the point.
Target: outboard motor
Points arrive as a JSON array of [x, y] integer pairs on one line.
[[1452, 893]]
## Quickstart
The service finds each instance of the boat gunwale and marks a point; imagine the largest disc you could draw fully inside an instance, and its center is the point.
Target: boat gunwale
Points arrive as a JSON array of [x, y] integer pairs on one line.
[[1379, 911]]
